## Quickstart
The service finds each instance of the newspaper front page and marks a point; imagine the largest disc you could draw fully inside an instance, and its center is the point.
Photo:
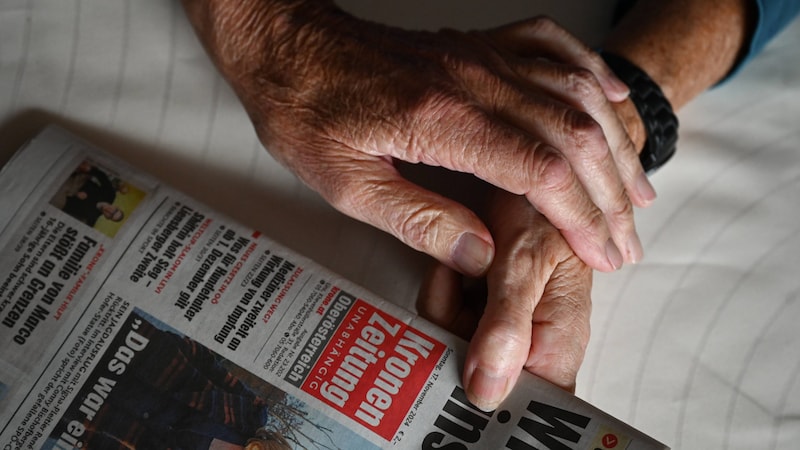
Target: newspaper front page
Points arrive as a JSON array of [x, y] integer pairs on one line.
[[132, 316]]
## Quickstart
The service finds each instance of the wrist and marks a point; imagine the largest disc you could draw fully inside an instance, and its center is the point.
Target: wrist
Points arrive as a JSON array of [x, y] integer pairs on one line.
[[244, 36], [686, 46], [271, 52]]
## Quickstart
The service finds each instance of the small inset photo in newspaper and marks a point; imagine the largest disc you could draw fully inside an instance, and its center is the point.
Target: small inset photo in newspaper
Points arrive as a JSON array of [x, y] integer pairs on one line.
[[97, 197]]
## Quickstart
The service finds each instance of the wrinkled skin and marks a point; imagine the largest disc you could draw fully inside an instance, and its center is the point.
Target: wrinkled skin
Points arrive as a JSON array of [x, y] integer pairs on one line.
[[526, 107], [533, 315]]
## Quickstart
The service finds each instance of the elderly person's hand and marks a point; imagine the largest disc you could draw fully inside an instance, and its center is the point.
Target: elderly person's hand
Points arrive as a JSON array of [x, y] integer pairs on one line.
[[538, 302], [525, 107], [537, 306]]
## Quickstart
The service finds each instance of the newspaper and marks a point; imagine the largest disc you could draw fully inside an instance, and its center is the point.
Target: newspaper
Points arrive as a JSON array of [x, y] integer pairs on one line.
[[132, 316]]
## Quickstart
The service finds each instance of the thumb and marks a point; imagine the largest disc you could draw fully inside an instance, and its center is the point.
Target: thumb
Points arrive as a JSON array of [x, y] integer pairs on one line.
[[498, 351], [375, 193]]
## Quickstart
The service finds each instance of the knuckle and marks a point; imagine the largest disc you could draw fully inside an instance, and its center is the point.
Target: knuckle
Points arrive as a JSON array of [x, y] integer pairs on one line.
[[506, 332], [593, 58], [584, 83], [451, 131], [466, 65], [357, 191], [592, 219], [420, 227], [622, 208], [478, 64], [544, 24], [585, 134], [582, 216], [551, 170]]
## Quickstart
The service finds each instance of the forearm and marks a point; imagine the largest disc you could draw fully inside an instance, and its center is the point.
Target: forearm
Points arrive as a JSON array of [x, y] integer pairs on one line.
[[686, 46]]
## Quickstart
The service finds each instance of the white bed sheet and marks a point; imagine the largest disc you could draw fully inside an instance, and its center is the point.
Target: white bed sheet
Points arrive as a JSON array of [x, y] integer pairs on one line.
[[698, 345]]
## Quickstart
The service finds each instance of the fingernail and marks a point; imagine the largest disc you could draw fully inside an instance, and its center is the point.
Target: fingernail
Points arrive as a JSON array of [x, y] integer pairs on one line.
[[645, 189], [617, 90], [635, 250], [486, 390], [613, 254], [621, 88], [472, 255]]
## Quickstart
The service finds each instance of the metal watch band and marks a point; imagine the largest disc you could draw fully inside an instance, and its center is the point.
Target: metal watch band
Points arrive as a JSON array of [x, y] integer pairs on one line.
[[660, 122]]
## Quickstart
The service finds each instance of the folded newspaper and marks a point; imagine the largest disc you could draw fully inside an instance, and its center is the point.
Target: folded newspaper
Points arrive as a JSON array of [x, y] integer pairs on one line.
[[134, 317]]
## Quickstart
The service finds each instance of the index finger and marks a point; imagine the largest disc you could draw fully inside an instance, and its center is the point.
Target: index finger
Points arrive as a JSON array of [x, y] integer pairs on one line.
[[468, 138], [541, 36]]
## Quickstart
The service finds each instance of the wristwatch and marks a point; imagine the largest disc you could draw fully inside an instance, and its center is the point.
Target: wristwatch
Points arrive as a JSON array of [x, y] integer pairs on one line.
[[660, 122]]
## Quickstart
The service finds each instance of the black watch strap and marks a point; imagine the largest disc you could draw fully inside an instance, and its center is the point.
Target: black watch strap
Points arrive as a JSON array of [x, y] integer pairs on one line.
[[660, 122]]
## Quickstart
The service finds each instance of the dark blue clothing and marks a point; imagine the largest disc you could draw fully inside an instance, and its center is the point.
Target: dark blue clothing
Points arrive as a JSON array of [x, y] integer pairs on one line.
[[773, 16]]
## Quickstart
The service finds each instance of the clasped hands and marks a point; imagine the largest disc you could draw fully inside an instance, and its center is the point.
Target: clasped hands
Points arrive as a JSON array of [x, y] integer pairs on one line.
[[526, 107]]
